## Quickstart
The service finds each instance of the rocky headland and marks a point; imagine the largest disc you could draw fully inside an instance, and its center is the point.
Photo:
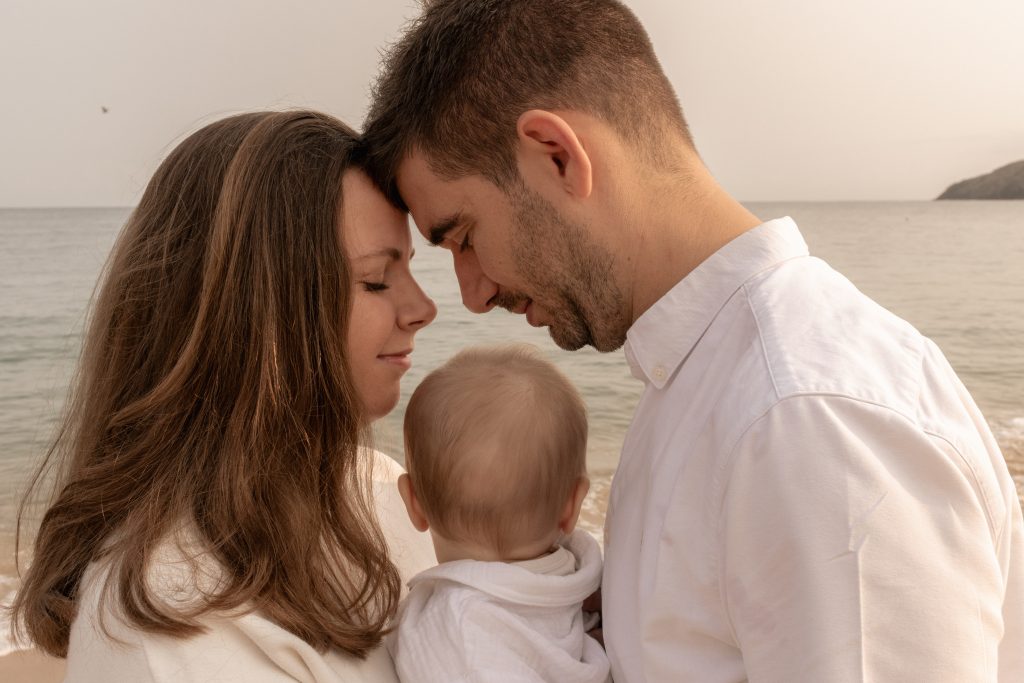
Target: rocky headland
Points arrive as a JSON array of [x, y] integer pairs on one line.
[[1003, 183]]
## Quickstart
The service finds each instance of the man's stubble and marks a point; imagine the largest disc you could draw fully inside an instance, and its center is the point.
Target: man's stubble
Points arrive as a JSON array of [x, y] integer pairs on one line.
[[571, 276]]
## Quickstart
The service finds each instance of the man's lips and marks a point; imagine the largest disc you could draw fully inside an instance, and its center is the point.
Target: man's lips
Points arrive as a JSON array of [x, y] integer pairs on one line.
[[531, 315], [513, 302], [520, 305]]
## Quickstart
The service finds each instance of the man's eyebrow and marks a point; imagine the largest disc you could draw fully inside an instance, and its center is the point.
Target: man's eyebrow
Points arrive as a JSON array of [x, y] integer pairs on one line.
[[441, 229]]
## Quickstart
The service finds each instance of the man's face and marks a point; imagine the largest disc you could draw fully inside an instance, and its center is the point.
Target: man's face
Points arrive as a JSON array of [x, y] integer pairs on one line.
[[515, 251]]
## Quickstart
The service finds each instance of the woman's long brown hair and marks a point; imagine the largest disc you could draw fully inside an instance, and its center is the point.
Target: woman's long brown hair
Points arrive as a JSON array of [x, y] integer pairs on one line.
[[213, 393]]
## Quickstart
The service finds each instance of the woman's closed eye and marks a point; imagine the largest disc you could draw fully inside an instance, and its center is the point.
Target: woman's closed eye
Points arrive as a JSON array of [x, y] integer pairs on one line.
[[374, 286]]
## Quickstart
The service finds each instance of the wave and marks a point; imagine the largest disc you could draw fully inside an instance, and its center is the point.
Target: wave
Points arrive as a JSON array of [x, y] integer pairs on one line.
[[1010, 435], [1009, 432]]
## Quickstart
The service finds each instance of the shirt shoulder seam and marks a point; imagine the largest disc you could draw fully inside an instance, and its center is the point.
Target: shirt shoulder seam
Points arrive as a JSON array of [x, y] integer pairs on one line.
[[997, 533], [726, 467]]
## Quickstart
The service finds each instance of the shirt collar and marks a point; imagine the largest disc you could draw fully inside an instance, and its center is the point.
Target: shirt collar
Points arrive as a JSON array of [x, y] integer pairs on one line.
[[661, 339]]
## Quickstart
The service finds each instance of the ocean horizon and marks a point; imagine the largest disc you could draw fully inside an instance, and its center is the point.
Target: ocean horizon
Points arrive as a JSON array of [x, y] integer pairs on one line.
[[950, 268]]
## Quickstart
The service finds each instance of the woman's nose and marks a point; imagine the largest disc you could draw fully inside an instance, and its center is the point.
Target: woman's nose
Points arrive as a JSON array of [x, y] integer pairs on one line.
[[478, 290], [421, 311]]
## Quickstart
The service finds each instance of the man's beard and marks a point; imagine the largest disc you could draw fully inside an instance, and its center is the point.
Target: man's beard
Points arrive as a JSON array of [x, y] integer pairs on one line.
[[571, 277]]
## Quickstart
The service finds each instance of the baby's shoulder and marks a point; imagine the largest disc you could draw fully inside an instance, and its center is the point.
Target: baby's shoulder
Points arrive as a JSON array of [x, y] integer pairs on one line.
[[440, 594]]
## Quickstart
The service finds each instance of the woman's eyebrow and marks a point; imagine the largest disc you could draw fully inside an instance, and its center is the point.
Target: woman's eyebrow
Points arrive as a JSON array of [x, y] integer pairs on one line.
[[389, 252]]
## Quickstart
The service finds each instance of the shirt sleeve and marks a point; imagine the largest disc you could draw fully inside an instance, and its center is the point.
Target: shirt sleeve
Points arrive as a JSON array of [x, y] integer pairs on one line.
[[857, 547], [242, 649], [234, 648], [246, 649]]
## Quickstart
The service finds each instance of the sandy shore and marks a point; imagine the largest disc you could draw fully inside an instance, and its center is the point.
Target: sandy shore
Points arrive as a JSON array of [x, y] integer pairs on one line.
[[30, 666]]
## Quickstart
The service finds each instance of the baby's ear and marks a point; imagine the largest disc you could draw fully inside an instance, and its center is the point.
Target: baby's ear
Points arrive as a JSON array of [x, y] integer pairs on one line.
[[571, 513], [412, 504]]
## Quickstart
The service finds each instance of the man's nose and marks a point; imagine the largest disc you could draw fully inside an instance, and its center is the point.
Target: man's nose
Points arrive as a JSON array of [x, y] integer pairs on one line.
[[477, 289]]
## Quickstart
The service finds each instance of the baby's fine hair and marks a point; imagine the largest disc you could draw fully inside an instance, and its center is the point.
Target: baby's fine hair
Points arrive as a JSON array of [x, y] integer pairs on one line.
[[496, 441]]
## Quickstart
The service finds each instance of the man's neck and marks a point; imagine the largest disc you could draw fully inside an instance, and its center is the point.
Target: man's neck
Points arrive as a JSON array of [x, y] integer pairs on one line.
[[680, 225]]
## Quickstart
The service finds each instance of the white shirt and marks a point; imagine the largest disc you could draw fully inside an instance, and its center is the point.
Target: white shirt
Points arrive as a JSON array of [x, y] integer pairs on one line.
[[472, 621], [807, 492], [234, 649]]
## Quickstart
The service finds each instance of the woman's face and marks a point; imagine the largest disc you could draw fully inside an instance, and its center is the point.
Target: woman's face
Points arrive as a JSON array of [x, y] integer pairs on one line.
[[388, 307]]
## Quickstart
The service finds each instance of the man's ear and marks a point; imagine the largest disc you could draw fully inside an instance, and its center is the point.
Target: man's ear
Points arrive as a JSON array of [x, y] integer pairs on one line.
[[571, 512], [551, 152], [412, 504]]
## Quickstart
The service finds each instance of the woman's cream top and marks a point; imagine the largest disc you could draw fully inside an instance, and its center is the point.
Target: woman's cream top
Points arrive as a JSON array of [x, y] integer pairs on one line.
[[243, 649]]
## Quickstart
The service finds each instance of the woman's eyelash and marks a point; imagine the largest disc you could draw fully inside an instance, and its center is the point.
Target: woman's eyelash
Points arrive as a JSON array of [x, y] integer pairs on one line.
[[464, 244], [374, 286]]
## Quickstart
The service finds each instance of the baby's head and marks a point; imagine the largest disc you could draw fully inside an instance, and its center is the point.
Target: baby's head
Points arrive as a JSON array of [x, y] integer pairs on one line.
[[495, 443]]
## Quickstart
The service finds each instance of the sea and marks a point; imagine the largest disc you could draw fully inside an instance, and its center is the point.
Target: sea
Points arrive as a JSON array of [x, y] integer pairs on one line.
[[953, 269]]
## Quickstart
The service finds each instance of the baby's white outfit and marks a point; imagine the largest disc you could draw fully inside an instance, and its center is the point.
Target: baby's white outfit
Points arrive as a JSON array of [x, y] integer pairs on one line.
[[509, 622]]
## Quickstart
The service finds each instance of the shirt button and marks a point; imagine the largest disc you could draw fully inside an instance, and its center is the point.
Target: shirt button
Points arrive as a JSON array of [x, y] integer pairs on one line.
[[659, 372]]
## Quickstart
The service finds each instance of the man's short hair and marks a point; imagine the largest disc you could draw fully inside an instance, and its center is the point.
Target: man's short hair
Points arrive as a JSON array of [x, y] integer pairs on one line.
[[495, 442], [455, 84]]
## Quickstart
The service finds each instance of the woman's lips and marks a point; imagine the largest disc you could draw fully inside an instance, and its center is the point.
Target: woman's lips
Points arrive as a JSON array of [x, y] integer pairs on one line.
[[400, 359]]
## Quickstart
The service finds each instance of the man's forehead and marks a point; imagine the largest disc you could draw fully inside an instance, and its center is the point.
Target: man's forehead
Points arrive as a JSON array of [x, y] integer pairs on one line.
[[416, 168], [436, 203]]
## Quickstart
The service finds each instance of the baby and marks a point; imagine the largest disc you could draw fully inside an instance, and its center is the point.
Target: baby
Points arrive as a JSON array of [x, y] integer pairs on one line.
[[496, 457]]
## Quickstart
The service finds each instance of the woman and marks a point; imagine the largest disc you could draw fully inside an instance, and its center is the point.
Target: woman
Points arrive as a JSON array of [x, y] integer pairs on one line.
[[217, 516]]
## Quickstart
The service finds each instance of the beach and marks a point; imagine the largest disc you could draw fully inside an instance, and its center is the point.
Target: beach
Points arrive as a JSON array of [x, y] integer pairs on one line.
[[951, 269]]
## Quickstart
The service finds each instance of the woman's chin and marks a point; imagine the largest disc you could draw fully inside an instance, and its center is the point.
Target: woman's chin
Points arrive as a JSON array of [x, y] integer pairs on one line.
[[380, 407]]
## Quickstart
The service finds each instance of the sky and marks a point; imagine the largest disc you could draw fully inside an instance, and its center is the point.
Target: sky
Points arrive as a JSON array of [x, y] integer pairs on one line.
[[815, 100]]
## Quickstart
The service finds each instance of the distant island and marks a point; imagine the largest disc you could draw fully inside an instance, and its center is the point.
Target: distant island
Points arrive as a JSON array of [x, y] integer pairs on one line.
[[1003, 183]]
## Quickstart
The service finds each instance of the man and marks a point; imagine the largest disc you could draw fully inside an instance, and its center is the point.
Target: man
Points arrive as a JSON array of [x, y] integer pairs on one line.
[[807, 492]]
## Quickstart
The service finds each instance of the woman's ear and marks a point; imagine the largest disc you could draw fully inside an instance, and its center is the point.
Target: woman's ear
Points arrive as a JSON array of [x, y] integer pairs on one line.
[[552, 154], [412, 504], [571, 512]]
